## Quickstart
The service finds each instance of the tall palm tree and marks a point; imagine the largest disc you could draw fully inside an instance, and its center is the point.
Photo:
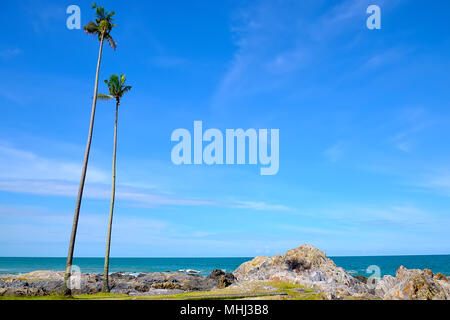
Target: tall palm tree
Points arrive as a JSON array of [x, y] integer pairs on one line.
[[117, 89], [101, 28]]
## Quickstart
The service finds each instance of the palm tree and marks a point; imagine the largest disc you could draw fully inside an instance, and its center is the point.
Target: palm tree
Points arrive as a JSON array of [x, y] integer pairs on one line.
[[102, 28], [117, 89]]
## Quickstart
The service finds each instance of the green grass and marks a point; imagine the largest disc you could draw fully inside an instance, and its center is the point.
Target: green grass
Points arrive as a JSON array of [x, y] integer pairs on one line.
[[101, 296], [285, 285], [51, 297], [292, 290]]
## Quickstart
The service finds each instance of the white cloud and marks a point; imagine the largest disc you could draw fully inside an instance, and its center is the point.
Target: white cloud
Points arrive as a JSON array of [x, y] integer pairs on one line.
[[384, 58], [438, 182], [22, 224], [10, 53], [43, 15], [26, 172], [167, 62], [335, 152], [314, 230], [414, 120], [16, 164], [276, 40], [131, 196], [260, 206], [337, 19], [392, 217]]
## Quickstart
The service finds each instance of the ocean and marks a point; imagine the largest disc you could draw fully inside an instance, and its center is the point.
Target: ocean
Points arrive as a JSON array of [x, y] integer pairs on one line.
[[387, 265]]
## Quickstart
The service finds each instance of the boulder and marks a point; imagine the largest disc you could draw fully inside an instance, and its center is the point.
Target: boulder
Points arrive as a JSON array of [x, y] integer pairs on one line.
[[414, 285], [307, 266], [222, 279], [161, 282]]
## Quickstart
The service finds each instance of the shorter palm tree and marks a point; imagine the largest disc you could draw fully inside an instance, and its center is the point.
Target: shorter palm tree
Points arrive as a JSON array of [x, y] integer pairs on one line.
[[117, 89]]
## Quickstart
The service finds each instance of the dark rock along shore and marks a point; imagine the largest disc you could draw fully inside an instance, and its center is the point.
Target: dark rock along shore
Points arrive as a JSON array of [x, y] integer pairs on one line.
[[306, 266], [42, 283]]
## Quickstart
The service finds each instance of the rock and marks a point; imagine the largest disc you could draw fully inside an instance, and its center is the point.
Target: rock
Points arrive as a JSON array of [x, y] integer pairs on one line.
[[413, 285], [46, 287], [215, 274], [226, 280], [42, 275], [122, 276], [307, 266], [162, 281], [46, 282], [385, 285], [222, 279], [362, 279], [440, 276]]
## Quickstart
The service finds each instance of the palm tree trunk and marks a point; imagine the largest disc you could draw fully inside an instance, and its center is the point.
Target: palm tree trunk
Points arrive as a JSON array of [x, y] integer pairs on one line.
[[111, 212], [66, 286]]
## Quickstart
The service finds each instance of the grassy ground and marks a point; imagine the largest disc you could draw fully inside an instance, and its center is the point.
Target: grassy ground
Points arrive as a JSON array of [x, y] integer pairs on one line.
[[258, 290]]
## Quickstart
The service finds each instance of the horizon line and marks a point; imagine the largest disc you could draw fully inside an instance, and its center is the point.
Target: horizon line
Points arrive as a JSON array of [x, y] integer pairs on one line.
[[236, 257]]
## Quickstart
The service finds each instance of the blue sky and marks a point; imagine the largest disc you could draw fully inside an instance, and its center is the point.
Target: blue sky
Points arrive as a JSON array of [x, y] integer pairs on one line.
[[363, 116]]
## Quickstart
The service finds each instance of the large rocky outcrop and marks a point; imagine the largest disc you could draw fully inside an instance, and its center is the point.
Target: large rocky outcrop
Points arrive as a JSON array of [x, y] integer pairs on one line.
[[414, 285], [307, 266]]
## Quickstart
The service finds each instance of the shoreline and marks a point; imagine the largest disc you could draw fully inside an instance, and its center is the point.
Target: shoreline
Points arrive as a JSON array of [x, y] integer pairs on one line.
[[356, 266], [305, 269]]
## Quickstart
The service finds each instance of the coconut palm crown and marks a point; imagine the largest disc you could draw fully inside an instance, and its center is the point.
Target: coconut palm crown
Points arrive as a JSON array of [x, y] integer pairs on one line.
[[117, 88], [102, 26]]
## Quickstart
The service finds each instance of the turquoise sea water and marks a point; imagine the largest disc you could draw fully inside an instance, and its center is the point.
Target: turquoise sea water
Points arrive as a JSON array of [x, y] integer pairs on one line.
[[354, 265]]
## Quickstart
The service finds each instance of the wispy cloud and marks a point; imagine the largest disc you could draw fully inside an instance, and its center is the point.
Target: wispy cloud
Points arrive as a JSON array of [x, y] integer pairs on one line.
[[260, 206], [389, 217], [22, 224], [262, 59], [130, 196], [314, 230], [386, 57], [335, 152], [168, 62], [10, 53], [437, 182], [21, 164], [276, 41], [25, 172], [337, 19], [413, 120], [44, 15]]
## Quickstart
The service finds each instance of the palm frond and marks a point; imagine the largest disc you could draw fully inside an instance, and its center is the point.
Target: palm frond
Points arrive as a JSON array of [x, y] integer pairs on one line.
[[114, 78], [123, 79], [105, 97], [100, 13], [109, 16], [111, 42], [116, 87], [125, 90], [91, 28], [103, 25]]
